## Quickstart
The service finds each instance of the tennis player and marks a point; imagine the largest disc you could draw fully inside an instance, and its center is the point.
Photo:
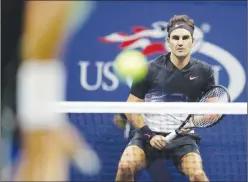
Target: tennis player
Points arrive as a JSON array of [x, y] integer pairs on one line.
[[36, 31], [174, 77]]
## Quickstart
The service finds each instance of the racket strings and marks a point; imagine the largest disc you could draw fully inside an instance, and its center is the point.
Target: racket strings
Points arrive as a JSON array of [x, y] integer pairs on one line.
[[205, 120], [217, 94]]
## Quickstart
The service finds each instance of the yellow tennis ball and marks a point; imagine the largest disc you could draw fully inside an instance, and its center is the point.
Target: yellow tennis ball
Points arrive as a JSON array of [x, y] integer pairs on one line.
[[131, 64]]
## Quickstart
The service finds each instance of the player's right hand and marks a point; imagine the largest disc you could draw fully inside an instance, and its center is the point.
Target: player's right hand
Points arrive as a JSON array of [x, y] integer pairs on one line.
[[158, 142]]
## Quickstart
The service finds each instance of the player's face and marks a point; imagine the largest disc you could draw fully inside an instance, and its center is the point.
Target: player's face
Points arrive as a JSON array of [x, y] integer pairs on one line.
[[180, 42]]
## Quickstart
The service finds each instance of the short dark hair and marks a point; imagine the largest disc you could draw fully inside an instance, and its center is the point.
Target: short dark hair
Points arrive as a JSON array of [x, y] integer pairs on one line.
[[181, 18]]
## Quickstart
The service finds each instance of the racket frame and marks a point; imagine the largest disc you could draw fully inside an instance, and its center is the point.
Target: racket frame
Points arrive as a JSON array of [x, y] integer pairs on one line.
[[176, 132]]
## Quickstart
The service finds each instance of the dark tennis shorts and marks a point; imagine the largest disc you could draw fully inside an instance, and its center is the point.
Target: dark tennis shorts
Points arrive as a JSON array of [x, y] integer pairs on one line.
[[179, 146]]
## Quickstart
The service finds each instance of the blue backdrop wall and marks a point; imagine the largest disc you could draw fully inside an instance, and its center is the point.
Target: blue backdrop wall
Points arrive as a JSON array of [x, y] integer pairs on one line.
[[221, 29]]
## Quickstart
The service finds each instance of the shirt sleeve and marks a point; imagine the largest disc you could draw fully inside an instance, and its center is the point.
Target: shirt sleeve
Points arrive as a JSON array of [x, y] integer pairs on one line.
[[210, 81], [139, 89]]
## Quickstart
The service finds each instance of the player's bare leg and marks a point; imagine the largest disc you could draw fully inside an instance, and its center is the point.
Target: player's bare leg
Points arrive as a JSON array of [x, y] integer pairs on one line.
[[46, 148], [191, 165], [132, 160]]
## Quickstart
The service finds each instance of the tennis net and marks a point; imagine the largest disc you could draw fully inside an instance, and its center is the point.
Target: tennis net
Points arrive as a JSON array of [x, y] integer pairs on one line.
[[223, 147]]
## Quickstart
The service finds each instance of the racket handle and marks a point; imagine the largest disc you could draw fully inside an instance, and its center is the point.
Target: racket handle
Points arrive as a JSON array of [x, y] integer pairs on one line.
[[169, 137]]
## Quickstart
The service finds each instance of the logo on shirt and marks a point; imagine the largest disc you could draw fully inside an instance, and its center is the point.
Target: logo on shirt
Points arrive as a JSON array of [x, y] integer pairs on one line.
[[193, 77]]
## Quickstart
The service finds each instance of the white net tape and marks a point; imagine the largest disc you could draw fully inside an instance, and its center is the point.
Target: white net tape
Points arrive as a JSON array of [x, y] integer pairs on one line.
[[237, 108]]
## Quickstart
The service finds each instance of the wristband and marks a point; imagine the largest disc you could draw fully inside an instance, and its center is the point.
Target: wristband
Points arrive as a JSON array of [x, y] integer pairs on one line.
[[40, 84], [146, 133]]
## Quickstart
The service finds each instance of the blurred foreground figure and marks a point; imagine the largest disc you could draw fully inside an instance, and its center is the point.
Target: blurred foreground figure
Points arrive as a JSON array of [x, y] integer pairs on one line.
[[49, 141]]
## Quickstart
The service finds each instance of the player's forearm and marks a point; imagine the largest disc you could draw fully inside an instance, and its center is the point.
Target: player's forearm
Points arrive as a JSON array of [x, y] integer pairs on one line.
[[136, 120]]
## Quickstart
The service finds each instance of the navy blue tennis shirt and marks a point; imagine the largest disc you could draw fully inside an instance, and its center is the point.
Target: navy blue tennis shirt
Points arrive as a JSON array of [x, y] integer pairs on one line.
[[166, 83]]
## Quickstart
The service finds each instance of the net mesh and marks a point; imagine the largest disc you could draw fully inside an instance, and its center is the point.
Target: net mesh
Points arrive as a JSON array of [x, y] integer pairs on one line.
[[223, 149]]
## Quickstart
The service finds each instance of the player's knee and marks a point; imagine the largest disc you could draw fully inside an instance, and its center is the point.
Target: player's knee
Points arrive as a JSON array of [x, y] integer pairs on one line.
[[198, 175], [126, 169]]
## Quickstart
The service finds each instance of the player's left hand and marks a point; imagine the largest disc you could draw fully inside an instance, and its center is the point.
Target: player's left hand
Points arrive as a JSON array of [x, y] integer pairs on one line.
[[119, 122]]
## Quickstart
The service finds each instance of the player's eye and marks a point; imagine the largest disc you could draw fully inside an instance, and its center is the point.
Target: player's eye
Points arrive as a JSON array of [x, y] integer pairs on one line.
[[175, 37], [185, 37]]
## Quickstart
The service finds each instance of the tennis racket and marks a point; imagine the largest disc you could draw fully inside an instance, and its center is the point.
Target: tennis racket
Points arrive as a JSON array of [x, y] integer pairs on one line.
[[215, 94]]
